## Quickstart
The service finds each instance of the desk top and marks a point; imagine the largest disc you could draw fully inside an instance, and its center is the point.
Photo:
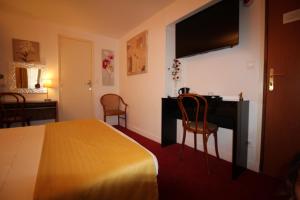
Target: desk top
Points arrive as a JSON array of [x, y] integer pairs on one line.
[[223, 98]]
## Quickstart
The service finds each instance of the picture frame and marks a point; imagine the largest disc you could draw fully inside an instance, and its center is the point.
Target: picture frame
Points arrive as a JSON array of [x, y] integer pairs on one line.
[[26, 51], [108, 67], [137, 54]]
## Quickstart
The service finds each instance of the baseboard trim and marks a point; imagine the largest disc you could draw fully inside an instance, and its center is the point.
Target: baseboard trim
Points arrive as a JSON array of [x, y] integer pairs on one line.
[[144, 133]]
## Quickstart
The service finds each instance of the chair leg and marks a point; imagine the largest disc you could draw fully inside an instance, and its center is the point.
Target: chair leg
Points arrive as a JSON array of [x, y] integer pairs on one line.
[[119, 120], [183, 138], [205, 139], [182, 145], [216, 144], [195, 141], [104, 116], [125, 120]]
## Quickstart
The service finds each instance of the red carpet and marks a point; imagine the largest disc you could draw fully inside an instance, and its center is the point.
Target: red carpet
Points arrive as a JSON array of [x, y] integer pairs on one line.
[[188, 178]]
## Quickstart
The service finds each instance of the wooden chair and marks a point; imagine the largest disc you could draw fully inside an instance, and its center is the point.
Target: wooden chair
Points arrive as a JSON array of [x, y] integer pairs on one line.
[[192, 106], [12, 109], [114, 105]]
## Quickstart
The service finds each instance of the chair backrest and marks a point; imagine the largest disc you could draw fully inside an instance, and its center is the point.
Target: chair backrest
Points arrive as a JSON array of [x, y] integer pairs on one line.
[[190, 106], [111, 101], [11, 106]]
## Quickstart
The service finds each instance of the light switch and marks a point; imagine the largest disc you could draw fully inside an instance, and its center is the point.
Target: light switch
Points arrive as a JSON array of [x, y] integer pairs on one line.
[[250, 65]]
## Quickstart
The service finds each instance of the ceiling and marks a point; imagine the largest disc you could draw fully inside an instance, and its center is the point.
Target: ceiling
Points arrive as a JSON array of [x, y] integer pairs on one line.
[[112, 18]]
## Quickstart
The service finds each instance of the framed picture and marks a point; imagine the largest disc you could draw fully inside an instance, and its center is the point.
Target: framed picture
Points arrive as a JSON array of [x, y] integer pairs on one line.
[[137, 52], [108, 67], [26, 51]]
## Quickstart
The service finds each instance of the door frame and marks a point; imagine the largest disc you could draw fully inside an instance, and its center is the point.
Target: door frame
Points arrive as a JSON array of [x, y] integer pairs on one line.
[[265, 88], [60, 109]]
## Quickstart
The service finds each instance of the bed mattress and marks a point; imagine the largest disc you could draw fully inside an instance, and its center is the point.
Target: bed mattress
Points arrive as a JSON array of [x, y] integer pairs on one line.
[[20, 154]]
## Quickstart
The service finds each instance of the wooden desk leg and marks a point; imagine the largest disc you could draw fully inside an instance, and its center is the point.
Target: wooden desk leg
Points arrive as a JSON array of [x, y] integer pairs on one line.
[[168, 127], [240, 140]]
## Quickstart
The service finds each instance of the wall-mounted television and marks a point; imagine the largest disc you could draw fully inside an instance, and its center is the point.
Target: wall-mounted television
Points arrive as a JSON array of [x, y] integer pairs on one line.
[[213, 28]]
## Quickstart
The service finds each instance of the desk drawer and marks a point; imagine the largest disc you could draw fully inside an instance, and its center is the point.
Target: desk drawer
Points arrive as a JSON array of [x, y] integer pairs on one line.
[[41, 113]]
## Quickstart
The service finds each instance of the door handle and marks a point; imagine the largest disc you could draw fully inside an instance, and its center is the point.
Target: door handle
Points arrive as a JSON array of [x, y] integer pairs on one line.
[[271, 78]]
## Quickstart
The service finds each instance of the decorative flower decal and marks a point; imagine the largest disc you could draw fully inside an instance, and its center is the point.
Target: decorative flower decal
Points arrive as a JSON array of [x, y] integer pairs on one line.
[[107, 67], [175, 69]]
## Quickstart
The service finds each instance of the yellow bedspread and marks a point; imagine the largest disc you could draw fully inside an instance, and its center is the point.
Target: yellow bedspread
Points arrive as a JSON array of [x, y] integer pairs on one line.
[[88, 160]]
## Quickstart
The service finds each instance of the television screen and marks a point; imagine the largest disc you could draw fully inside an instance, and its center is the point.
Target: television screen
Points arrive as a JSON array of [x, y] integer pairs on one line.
[[213, 28]]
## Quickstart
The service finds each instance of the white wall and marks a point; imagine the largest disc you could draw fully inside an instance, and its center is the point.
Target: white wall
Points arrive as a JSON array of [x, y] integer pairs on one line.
[[20, 27], [226, 72], [231, 71], [143, 92]]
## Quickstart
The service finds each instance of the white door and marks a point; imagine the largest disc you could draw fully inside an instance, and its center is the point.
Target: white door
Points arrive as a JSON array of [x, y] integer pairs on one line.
[[75, 71]]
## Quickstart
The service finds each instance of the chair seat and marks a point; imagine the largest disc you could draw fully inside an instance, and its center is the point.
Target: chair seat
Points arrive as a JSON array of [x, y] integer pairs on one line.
[[210, 126], [114, 112]]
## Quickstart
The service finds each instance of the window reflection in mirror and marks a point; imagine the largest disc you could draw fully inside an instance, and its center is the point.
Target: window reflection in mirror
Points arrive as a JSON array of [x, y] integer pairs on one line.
[[26, 78]]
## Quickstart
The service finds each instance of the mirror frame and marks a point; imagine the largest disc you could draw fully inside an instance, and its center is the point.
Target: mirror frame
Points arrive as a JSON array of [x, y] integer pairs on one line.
[[12, 78]]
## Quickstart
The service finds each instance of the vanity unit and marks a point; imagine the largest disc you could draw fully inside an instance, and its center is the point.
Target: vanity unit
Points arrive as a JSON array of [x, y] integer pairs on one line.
[[37, 110], [29, 78]]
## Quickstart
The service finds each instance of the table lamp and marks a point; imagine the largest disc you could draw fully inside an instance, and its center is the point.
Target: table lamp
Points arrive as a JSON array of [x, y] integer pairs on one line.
[[47, 84]]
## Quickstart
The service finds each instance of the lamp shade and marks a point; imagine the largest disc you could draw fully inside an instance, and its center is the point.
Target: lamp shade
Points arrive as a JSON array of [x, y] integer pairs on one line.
[[47, 83]]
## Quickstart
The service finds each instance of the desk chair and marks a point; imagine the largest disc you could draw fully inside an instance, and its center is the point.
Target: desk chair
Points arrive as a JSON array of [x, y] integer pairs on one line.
[[114, 105], [12, 109], [194, 120]]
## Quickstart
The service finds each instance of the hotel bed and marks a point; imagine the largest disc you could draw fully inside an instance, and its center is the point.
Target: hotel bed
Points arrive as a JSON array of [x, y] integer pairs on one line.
[[85, 159]]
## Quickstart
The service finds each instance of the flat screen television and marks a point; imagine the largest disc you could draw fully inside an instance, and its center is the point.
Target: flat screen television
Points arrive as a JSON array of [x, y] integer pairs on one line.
[[214, 28]]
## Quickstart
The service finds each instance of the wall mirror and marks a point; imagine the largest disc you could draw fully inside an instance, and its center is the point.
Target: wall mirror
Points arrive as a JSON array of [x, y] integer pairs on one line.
[[26, 78]]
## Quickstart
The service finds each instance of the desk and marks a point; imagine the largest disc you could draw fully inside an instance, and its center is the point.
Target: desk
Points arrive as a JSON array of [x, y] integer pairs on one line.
[[226, 114], [37, 110]]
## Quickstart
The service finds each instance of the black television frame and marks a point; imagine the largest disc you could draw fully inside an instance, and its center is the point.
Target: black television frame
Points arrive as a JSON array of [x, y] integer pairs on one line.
[[184, 28]]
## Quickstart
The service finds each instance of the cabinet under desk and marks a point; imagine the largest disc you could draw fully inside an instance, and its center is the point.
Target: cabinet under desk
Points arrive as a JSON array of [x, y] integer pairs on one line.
[[37, 110], [233, 115]]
